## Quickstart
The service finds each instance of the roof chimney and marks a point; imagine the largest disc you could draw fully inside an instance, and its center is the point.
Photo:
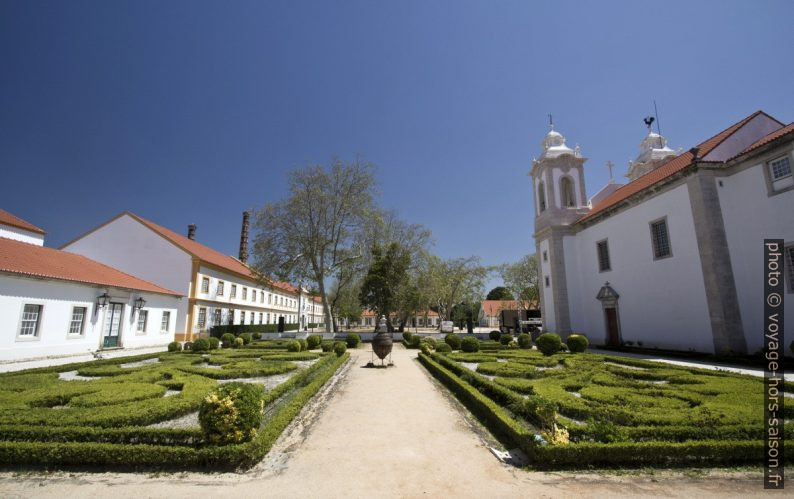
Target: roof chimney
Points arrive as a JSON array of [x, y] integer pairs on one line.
[[191, 232], [244, 238]]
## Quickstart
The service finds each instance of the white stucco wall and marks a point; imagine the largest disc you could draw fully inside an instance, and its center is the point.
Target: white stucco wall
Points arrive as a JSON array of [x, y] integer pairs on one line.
[[23, 235], [662, 303], [750, 216], [57, 299], [549, 320], [129, 246]]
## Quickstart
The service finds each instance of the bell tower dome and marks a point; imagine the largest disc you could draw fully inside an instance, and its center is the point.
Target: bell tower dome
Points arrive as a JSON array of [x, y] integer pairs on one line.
[[653, 152]]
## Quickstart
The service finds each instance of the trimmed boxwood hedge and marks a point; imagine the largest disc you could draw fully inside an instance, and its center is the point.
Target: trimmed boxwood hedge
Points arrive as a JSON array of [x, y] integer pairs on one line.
[[236, 329]]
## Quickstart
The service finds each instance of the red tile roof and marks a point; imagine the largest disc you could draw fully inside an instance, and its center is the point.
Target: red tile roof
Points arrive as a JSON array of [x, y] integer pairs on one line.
[[210, 255], [493, 307], [27, 259], [7, 218], [667, 169]]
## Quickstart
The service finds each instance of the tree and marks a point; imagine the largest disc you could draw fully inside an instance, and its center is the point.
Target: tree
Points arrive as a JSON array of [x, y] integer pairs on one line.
[[385, 279], [522, 279], [499, 293], [311, 235], [452, 281]]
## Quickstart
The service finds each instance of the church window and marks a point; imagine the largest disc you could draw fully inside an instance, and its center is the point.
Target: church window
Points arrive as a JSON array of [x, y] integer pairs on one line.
[[603, 256], [780, 168], [660, 239], [566, 193], [541, 197], [547, 281], [545, 256]]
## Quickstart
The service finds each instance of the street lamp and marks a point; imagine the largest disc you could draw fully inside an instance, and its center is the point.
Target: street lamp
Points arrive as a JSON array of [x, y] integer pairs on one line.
[[102, 300], [140, 303]]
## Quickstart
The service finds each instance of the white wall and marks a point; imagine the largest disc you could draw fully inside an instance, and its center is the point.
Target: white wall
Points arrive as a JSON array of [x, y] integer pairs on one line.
[[750, 216], [23, 235], [129, 246], [57, 299], [549, 319], [662, 303]]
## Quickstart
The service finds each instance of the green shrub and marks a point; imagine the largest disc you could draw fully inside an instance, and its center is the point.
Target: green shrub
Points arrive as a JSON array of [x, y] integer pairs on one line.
[[327, 346], [469, 344], [304, 344], [577, 343], [227, 340], [313, 341], [430, 341], [188, 345], [495, 335], [214, 343], [201, 345], [352, 340], [453, 340], [238, 342], [175, 346], [407, 335], [525, 341], [246, 337], [549, 343], [232, 413], [415, 341], [506, 338], [443, 348], [293, 346], [339, 348], [425, 348]]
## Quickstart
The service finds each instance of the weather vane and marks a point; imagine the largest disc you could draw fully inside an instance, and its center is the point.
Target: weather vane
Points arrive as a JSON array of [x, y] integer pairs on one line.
[[551, 122]]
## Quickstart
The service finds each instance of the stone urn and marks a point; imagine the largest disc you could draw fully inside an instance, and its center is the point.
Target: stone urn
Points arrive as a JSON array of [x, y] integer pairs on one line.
[[382, 342]]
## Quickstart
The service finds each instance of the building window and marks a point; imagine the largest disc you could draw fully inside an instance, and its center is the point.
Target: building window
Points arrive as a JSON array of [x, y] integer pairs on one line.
[[142, 316], [165, 322], [545, 256], [253, 295], [546, 279], [231, 316], [245, 293], [233, 293], [261, 297], [268, 317], [780, 173], [78, 319], [660, 239], [205, 284], [202, 318], [541, 197], [261, 316], [216, 321], [220, 288], [566, 193], [29, 327], [242, 316], [269, 299], [603, 256], [251, 321], [788, 263]]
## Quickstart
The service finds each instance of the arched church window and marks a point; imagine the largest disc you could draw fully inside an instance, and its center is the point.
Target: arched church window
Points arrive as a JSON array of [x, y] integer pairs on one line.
[[566, 192], [541, 197]]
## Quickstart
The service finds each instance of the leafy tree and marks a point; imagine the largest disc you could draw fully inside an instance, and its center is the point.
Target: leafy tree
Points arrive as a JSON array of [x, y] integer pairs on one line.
[[381, 287], [311, 235], [452, 281], [522, 279], [499, 293]]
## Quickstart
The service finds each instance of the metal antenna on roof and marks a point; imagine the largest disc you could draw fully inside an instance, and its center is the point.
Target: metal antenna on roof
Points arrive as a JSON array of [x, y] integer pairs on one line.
[[658, 130]]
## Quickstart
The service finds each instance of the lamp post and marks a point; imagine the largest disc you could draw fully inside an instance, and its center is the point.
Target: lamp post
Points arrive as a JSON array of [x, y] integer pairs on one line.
[[140, 303]]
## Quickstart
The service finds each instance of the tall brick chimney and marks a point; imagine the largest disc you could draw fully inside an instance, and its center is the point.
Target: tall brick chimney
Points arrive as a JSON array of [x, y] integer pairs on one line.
[[191, 232], [244, 238]]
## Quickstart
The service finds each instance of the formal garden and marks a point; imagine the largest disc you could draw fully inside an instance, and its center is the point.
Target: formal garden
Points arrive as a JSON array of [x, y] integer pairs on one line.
[[567, 408], [219, 405]]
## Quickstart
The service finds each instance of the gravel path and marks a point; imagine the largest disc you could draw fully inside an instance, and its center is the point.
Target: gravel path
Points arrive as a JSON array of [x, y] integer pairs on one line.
[[386, 433]]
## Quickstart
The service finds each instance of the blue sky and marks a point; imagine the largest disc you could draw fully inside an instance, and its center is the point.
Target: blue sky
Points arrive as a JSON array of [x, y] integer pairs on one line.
[[190, 112]]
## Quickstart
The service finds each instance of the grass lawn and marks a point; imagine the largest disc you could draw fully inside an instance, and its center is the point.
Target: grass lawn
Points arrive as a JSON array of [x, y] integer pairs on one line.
[[141, 412], [580, 410]]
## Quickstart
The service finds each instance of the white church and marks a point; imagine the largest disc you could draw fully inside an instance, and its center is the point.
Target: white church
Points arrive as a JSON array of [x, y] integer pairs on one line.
[[673, 258]]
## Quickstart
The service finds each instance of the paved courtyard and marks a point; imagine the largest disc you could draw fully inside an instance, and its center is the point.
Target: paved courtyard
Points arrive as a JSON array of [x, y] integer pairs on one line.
[[387, 433]]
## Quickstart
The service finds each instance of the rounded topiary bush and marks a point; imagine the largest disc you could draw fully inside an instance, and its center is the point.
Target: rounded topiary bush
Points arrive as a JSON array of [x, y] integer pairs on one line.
[[453, 340], [506, 338], [425, 348], [443, 348], [339, 348], [214, 342], [327, 346], [577, 343], [495, 335], [175, 346], [188, 345], [524, 341], [415, 341], [304, 344], [470, 344], [246, 337], [293, 346], [313, 341], [232, 413], [238, 342], [227, 339], [549, 343], [407, 335], [352, 340], [201, 345], [429, 340], [513, 344]]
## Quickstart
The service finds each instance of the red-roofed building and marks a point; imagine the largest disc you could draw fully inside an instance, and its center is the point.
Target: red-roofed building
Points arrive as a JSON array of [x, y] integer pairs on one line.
[[55, 303], [673, 258], [220, 289]]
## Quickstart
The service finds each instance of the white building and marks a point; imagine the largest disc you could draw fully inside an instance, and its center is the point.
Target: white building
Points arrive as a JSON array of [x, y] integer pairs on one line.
[[220, 289], [55, 303], [674, 258], [490, 314]]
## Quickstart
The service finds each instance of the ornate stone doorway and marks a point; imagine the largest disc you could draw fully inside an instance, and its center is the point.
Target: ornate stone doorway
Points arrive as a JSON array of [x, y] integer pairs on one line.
[[609, 302]]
